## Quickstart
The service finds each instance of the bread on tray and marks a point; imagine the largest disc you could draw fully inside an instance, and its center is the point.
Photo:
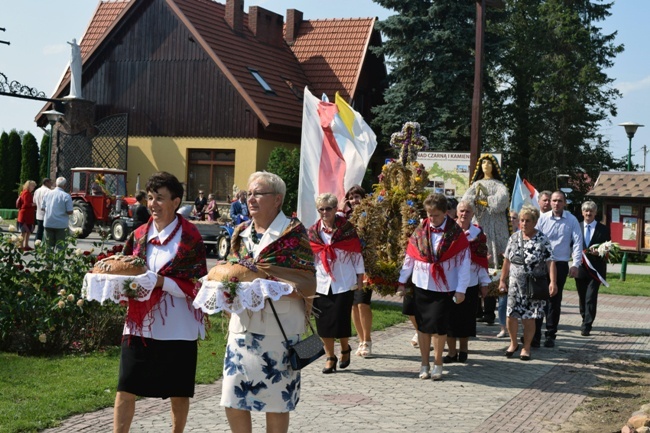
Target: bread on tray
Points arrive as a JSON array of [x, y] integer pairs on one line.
[[226, 271], [120, 265]]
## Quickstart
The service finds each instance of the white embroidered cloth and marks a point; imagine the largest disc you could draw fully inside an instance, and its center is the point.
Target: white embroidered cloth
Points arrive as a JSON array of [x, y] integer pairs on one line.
[[212, 297], [102, 287]]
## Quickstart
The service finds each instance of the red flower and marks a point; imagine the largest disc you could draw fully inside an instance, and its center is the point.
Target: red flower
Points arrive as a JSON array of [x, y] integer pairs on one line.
[[234, 279], [86, 253]]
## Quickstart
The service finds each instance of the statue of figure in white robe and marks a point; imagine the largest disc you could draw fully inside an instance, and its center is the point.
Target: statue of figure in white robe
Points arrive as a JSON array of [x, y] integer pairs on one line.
[[75, 70]]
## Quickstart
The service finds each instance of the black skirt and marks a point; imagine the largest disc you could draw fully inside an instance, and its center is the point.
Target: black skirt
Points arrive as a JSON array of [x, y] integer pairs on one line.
[[362, 296], [157, 368], [432, 310], [462, 320], [408, 302], [333, 314]]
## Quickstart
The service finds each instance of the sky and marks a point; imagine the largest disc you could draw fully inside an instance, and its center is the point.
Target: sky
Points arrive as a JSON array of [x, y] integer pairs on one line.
[[38, 55]]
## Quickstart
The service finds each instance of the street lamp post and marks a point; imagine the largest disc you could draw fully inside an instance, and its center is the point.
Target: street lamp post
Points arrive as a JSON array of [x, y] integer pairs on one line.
[[53, 116], [630, 130]]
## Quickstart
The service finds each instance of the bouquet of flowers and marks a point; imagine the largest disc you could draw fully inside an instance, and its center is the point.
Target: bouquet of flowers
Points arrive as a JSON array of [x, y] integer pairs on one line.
[[230, 285], [608, 250], [493, 287]]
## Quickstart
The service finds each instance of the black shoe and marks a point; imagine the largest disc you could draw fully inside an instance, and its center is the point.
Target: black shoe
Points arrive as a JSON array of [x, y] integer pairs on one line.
[[332, 369], [489, 322], [449, 359], [462, 357], [344, 364], [585, 333], [480, 319], [525, 357], [533, 343], [549, 342], [509, 354]]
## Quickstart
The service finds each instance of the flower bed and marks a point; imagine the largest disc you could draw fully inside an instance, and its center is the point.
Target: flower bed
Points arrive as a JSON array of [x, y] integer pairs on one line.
[[42, 311]]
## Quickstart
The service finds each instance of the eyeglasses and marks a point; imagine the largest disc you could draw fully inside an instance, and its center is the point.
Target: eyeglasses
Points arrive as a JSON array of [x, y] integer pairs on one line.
[[258, 195], [325, 209]]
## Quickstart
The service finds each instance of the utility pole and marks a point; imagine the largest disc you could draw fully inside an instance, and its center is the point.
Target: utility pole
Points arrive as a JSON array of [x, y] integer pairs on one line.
[[645, 152]]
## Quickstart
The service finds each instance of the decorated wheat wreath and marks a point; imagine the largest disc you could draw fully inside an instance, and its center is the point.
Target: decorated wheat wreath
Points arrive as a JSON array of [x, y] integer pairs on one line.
[[386, 219]]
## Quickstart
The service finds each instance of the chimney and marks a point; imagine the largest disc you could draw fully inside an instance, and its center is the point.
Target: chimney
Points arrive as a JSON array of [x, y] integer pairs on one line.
[[294, 18], [266, 26], [235, 14]]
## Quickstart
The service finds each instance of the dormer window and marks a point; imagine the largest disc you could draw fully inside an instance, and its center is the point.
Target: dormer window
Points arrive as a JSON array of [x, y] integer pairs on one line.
[[261, 81]]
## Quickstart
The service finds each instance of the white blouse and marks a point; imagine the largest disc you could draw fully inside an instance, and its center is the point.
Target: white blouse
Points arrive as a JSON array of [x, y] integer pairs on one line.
[[173, 318], [420, 272], [478, 274], [345, 269]]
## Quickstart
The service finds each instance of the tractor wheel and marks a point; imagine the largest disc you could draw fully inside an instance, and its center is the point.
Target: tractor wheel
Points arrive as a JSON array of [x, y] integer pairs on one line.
[[223, 247], [119, 230], [82, 218]]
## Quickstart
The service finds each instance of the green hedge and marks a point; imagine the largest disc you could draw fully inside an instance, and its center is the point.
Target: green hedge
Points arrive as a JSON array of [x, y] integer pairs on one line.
[[9, 214]]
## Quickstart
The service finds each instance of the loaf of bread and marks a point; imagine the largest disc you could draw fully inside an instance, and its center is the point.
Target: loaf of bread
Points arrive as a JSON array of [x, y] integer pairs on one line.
[[226, 271], [120, 265]]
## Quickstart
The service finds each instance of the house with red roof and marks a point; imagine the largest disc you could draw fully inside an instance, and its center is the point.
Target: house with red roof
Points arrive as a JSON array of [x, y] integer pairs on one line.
[[210, 90]]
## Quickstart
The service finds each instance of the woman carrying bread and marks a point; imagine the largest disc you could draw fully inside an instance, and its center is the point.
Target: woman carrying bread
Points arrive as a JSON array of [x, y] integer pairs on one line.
[[339, 272], [159, 348], [257, 375]]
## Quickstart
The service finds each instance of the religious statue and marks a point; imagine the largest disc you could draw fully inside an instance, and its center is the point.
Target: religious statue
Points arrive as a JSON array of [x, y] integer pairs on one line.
[[75, 70], [491, 201]]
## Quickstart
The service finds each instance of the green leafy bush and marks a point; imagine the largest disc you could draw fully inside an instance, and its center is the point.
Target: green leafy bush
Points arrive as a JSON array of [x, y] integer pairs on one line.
[[42, 312]]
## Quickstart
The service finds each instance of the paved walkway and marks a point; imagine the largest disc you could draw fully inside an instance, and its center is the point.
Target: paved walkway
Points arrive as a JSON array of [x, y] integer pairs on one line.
[[383, 394]]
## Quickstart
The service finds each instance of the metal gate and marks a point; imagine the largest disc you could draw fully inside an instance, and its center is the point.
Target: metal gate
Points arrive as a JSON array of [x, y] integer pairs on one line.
[[104, 145]]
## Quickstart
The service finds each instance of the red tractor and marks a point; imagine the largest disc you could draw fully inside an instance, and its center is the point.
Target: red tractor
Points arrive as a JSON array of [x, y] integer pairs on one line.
[[99, 197]]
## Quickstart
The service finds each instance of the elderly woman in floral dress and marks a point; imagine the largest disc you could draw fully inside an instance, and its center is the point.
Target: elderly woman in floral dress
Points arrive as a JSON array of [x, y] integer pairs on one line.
[[529, 252], [257, 376]]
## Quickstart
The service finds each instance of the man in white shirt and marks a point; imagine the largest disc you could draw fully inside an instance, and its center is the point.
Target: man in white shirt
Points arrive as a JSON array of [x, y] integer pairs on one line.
[[565, 234], [39, 195]]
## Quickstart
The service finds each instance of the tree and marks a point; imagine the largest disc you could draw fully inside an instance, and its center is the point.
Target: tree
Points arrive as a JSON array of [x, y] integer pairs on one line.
[[29, 169], [44, 170], [556, 91], [4, 184], [286, 164], [545, 89], [11, 168], [431, 44]]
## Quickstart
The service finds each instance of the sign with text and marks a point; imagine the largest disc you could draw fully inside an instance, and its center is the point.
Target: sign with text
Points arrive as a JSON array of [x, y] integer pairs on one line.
[[449, 172]]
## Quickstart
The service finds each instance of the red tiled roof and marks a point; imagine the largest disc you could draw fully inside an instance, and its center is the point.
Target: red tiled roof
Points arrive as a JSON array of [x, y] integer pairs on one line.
[[327, 55], [236, 53], [331, 52], [617, 184], [105, 15]]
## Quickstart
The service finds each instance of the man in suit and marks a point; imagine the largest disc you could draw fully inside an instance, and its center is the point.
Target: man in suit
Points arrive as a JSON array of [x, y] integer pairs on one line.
[[587, 282]]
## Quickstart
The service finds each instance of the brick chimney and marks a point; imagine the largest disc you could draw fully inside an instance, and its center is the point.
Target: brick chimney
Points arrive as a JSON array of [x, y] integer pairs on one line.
[[235, 14], [265, 25], [294, 18]]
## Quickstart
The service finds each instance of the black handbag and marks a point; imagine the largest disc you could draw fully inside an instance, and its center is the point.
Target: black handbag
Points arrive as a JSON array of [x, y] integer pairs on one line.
[[538, 287], [304, 352]]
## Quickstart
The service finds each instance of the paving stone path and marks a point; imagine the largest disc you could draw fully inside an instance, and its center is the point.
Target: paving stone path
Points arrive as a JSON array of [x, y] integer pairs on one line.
[[383, 394]]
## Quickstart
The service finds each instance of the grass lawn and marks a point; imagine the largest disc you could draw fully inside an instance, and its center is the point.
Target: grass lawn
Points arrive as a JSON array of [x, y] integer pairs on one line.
[[634, 285], [37, 392]]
